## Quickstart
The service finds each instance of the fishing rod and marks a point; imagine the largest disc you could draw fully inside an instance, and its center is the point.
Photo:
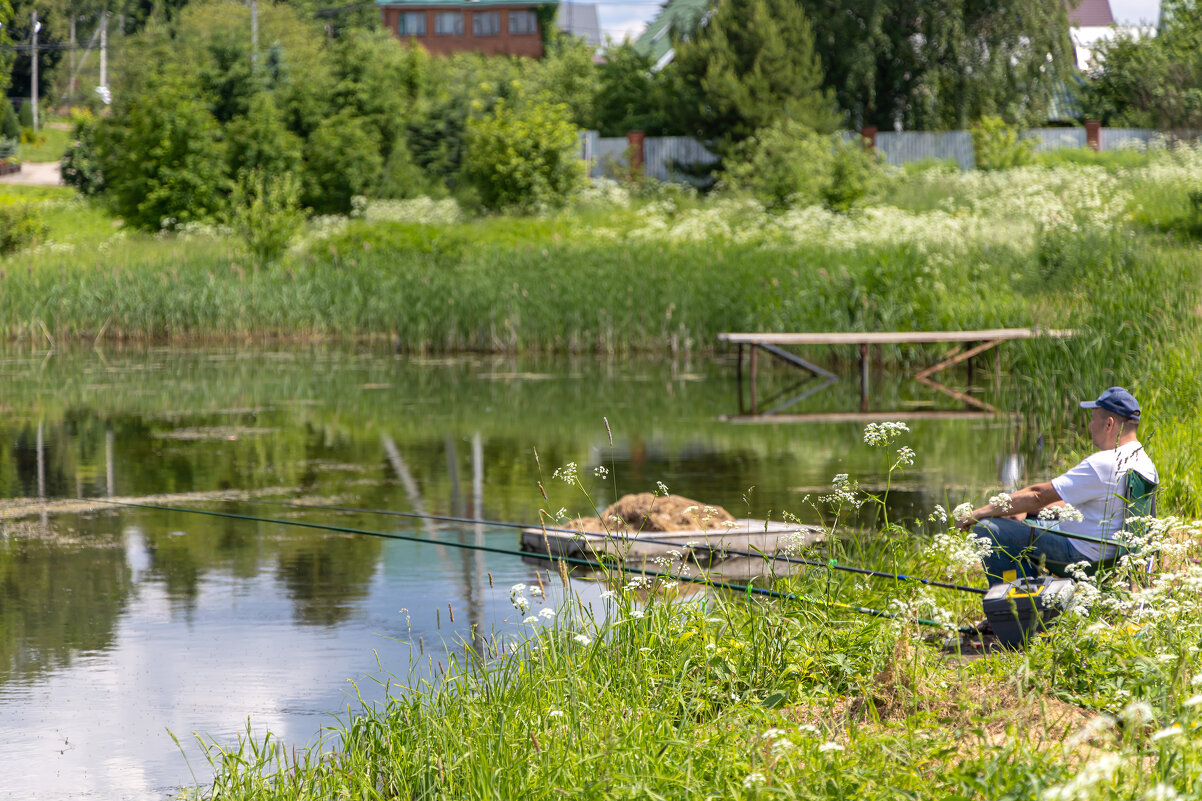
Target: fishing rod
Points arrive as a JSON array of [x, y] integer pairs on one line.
[[832, 564], [748, 588]]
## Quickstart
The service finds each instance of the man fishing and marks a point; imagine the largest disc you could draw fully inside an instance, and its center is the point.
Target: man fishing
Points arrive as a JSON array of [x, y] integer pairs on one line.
[[1089, 500]]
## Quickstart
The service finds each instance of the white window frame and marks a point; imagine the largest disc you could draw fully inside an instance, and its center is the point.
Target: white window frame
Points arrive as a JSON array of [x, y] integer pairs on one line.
[[486, 23], [440, 23], [520, 29], [418, 17]]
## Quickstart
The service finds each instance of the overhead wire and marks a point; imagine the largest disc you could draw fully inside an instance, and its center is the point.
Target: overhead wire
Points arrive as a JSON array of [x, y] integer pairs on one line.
[[832, 564], [749, 589]]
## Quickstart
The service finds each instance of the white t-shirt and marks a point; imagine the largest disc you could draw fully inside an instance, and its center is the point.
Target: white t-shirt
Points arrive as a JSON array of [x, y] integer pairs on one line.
[[1095, 488]]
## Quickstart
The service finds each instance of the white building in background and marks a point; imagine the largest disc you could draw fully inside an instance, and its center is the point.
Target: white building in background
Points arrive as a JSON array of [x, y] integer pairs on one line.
[[1091, 23], [580, 19]]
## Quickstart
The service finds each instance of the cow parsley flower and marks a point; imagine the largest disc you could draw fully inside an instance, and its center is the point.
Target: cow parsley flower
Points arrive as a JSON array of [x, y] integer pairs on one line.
[[567, 473], [879, 435]]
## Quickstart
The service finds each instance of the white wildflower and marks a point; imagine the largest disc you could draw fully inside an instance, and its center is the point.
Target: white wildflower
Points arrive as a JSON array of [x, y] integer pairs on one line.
[[562, 514], [1168, 731], [637, 614], [829, 745], [600, 472], [1161, 792], [881, 434], [939, 515], [567, 473], [905, 456], [517, 589], [546, 614], [1001, 502], [582, 639], [1136, 713], [1193, 700], [753, 779], [661, 488], [607, 594], [962, 512], [843, 492], [1082, 785], [531, 619], [772, 734], [554, 713]]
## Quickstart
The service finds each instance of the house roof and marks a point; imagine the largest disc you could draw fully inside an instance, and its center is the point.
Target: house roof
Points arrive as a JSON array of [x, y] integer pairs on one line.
[[580, 19], [464, 3], [656, 41], [1091, 14]]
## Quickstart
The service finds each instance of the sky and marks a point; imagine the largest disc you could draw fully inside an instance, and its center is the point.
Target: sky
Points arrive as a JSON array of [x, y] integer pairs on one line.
[[629, 17]]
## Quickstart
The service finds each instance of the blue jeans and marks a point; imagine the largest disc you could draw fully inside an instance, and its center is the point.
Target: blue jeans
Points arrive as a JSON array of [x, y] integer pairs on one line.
[[1023, 549]]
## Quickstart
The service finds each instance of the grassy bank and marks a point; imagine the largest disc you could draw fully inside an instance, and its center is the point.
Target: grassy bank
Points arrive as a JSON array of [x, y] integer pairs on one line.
[[659, 695]]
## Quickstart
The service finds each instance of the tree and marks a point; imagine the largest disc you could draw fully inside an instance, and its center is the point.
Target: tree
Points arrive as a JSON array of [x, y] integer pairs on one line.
[[566, 74], [938, 64], [630, 97], [342, 160], [162, 156], [751, 64], [523, 155], [1152, 82]]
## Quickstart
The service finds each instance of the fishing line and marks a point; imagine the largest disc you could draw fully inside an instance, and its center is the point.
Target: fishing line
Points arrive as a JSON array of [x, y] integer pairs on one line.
[[748, 589], [728, 551]]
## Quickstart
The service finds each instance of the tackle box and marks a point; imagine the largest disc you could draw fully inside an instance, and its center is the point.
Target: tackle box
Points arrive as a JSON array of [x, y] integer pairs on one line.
[[1018, 610]]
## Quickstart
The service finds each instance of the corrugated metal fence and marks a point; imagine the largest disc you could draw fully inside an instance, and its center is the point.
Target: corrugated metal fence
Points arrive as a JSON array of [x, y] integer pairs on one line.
[[663, 156]]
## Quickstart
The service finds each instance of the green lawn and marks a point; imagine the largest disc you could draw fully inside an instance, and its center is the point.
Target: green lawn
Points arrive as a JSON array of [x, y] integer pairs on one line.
[[51, 144]]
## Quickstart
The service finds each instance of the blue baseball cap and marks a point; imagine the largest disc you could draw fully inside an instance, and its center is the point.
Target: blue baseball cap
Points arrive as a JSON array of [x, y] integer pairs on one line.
[[1117, 400]]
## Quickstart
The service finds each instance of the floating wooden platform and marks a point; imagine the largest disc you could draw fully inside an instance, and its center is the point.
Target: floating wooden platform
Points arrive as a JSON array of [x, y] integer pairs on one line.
[[980, 341], [720, 553]]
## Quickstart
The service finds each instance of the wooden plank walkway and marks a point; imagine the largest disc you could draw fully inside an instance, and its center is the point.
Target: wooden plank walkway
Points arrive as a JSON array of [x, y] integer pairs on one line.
[[968, 344]]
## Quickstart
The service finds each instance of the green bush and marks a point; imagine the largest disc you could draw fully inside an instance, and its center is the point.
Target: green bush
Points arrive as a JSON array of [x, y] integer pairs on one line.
[[261, 141], [25, 116], [853, 174], [523, 155], [10, 126], [162, 157], [19, 226], [789, 164], [997, 145], [8, 147], [342, 160], [266, 213], [785, 164], [80, 166]]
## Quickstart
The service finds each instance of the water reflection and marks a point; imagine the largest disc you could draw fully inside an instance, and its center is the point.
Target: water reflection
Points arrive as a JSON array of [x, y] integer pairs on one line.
[[118, 625]]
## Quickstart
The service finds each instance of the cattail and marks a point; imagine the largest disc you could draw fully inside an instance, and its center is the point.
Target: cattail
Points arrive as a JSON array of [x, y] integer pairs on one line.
[[607, 431], [490, 579], [451, 612]]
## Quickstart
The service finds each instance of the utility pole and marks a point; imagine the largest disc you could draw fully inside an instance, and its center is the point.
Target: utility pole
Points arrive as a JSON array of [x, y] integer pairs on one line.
[[71, 87], [35, 26], [254, 37], [104, 49]]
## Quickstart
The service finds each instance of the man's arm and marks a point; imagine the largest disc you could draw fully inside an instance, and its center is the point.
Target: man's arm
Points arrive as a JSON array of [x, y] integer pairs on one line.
[[1023, 501]]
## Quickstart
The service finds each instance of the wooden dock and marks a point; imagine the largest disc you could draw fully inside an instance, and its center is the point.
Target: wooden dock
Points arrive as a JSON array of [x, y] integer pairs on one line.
[[721, 554], [965, 346]]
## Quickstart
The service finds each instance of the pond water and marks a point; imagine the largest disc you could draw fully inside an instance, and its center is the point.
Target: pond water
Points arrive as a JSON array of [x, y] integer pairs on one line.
[[122, 631]]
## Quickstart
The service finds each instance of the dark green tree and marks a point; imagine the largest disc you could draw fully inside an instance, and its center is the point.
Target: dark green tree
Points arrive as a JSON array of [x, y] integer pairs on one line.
[[630, 97], [162, 156], [342, 160], [749, 65], [1151, 81], [939, 64]]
